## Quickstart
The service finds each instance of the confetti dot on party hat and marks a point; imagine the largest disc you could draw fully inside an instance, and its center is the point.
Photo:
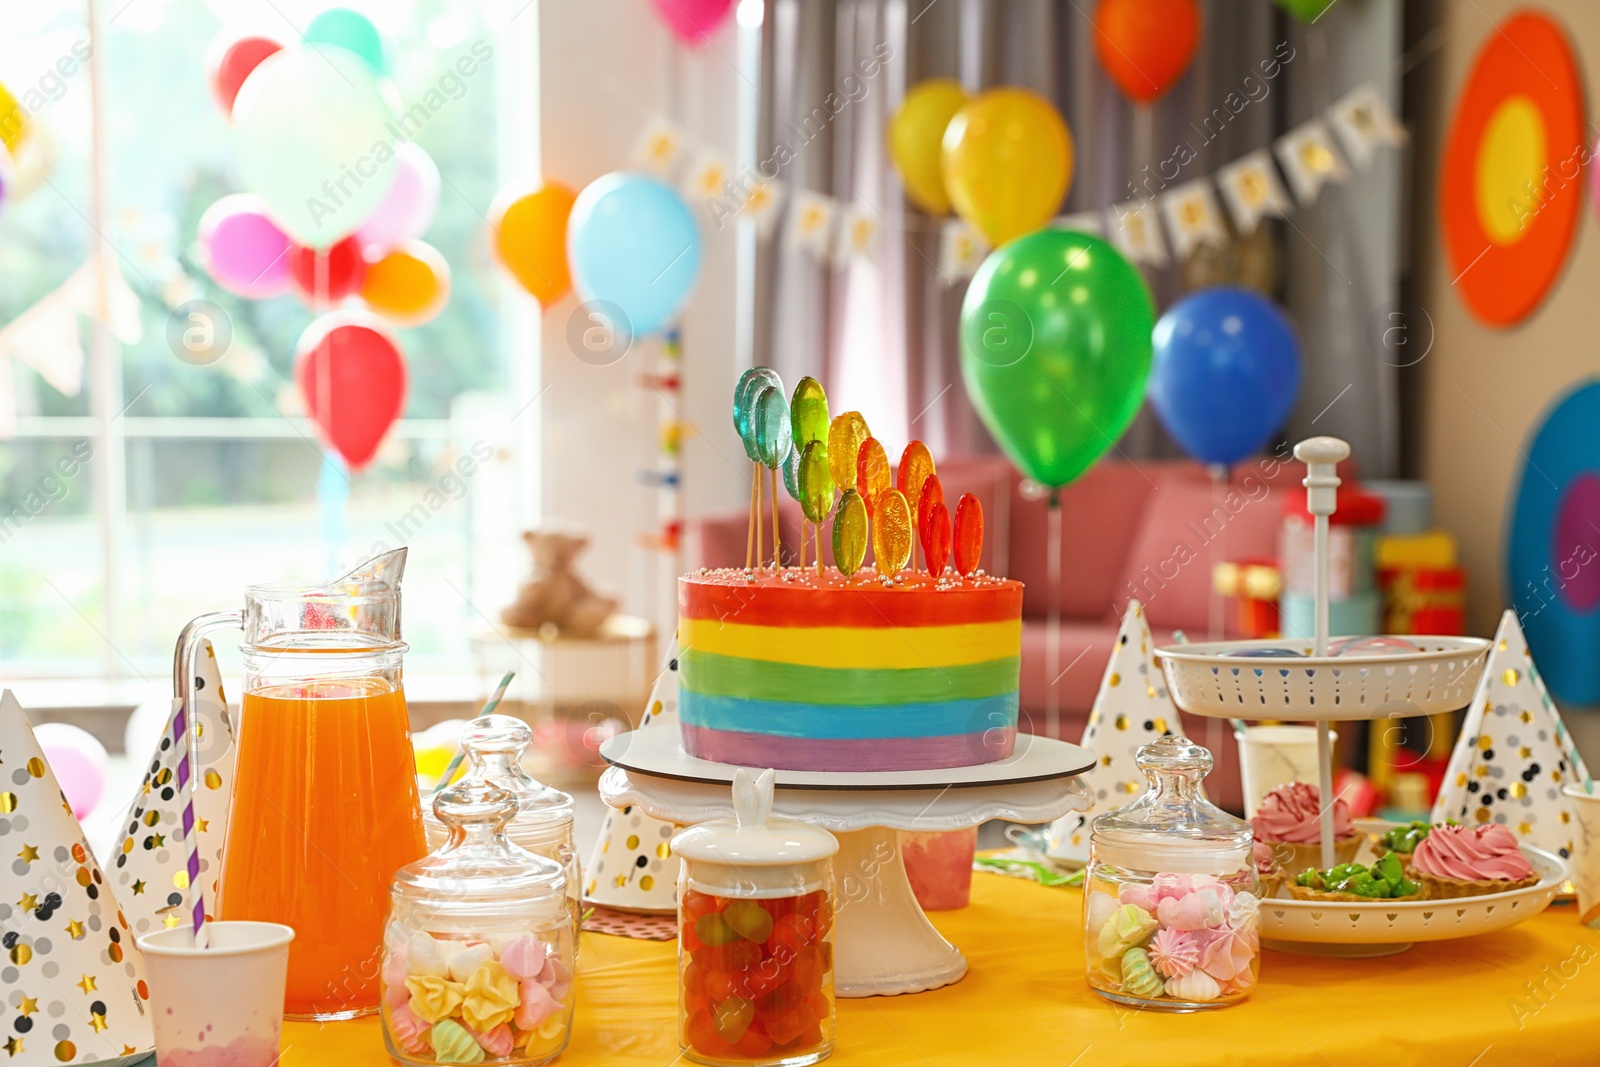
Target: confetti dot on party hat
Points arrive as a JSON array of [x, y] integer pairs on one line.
[[1131, 710], [68, 952], [1514, 753], [632, 866]]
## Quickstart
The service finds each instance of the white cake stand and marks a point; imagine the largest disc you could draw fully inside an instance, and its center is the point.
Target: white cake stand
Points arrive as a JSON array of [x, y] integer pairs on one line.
[[884, 945]]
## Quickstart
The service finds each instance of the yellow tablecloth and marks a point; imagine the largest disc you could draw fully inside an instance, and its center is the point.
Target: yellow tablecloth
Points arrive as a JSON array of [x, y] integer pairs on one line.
[[1525, 996]]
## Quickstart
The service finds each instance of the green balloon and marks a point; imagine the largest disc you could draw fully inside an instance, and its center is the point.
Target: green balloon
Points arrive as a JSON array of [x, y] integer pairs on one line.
[[751, 382], [313, 139], [808, 412], [769, 419], [816, 482], [1055, 350], [352, 31], [1306, 10]]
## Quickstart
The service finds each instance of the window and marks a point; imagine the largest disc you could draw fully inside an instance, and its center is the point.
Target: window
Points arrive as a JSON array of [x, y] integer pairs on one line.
[[163, 488]]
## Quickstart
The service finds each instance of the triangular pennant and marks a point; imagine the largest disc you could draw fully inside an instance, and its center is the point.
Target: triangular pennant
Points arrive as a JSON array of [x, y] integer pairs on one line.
[[632, 866], [1514, 753], [1131, 710], [1252, 190], [658, 148], [1310, 160], [152, 849], [860, 233], [1193, 217], [706, 181], [811, 218], [961, 250], [70, 970], [1362, 122], [762, 204], [1136, 233]]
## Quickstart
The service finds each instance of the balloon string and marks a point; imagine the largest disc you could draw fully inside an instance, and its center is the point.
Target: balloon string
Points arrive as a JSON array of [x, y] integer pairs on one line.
[[325, 365]]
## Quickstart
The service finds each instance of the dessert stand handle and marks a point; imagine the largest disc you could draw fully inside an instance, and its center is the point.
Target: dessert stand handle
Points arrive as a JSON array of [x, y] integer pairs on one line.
[[1321, 455]]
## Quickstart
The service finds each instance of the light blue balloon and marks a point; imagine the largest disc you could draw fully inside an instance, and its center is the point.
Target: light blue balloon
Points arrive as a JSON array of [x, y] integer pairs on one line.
[[351, 30], [632, 242]]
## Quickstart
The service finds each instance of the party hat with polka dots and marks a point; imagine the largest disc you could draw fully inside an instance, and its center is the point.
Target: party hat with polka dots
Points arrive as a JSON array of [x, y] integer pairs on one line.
[[1514, 753], [1131, 710], [72, 984], [632, 866], [152, 846]]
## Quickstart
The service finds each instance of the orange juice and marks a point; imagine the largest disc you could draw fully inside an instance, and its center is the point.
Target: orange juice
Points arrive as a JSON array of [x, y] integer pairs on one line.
[[325, 810]]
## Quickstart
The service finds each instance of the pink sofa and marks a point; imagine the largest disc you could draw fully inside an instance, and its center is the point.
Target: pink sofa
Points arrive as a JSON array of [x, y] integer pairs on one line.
[[1149, 530]]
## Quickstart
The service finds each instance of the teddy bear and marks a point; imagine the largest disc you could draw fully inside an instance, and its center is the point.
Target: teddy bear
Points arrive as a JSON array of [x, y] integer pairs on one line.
[[555, 595]]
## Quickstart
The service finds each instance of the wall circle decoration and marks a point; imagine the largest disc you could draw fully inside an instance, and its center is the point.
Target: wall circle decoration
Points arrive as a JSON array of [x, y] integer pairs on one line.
[[1512, 171], [1553, 551]]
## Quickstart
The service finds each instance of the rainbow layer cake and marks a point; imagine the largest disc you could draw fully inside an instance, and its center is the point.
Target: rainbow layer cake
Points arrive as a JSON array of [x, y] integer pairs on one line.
[[798, 671]]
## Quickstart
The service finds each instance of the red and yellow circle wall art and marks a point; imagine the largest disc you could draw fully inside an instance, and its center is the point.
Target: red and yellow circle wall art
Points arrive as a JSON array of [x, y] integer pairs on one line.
[[1511, 180]]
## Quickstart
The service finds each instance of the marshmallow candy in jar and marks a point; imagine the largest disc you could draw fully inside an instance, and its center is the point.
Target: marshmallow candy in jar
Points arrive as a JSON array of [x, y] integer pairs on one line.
[[1171, 897], [494, 747], [755, 935], [478, 953]]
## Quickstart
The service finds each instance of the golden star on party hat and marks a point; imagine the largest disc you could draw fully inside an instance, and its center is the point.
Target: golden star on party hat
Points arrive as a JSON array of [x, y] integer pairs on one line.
[[1131, 710], [71, 981], [152, 852], [1514, 753], [632, 866]]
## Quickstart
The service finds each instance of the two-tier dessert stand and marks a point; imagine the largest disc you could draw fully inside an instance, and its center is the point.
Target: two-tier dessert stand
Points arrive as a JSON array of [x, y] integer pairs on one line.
[[884, 945], [1223, 680]]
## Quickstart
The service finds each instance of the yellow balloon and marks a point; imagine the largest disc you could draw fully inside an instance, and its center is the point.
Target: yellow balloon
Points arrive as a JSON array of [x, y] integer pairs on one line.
[[916, 133], [409, 286], [13, 120], [1007, 161]]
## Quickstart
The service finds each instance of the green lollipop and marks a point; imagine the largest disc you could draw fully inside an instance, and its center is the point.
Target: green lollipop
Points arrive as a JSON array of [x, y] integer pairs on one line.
[[808, 412], [751, 382], [816, 482], [791, 471], [769, 426]]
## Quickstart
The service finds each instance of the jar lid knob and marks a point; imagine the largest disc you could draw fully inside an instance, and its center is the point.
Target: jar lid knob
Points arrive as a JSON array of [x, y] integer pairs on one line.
[[475, 803], [492, 735], [1173, 755], [752, 797]]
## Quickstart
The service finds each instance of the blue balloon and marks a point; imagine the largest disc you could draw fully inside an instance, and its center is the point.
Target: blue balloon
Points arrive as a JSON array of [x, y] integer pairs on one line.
[[1226, 373], [632, 242]]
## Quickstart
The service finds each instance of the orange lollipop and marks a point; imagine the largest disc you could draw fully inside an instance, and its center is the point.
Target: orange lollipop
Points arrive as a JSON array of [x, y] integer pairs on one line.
[[968, 535], [872, 473]]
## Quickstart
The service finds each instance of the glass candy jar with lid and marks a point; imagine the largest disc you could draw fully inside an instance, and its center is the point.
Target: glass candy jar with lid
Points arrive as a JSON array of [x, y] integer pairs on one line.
[[755, 935], [494, 747], [1171, 897], [478, 951]]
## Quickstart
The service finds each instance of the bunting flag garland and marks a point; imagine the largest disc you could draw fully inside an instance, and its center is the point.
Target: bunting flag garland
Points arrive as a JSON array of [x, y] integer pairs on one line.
[[1310, 160], [961, 250], [1252, 191], [708, 172], [658, 148], [761, 205], [1193, 217], [1363, 122], [860, 233], [1136, 233], [811, 223]]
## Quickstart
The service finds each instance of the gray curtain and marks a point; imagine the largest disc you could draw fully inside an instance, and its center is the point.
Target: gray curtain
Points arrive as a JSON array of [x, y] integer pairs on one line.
[[881, 335]]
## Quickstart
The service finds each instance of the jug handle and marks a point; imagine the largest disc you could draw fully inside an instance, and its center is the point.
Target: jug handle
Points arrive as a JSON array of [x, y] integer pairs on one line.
[[183, 663]]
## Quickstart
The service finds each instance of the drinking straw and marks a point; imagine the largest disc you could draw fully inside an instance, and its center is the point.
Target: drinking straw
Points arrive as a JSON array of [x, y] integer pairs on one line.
[[488, 709], [187, 763]]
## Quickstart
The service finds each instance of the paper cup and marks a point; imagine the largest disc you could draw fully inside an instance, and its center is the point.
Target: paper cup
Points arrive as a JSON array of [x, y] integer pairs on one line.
[[1270, 756], [220, 1006], [1585, 859]]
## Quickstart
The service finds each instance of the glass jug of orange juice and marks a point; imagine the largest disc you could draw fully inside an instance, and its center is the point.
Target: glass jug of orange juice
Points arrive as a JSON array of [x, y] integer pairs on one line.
[[325, 805]]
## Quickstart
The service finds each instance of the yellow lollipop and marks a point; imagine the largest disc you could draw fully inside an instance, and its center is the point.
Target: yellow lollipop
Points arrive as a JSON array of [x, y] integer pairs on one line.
[[850, 533], [845, 435], [891, 531]]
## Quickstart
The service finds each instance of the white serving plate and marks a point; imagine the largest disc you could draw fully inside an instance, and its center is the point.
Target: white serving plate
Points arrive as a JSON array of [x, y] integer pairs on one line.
[[1385, 927], [1205, 680]]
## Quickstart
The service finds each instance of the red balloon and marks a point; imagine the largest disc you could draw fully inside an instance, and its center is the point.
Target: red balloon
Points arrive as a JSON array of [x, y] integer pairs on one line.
[[968, 534], [936, 538], [353, 379], [1146, 45], [323, 278], [231, 62]]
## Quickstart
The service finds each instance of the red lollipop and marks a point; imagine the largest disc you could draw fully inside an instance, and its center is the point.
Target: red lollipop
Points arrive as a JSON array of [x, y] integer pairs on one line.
[[936, 538], [932, 493], [968, 535], [353, 379], [324, 277], [231, 62]]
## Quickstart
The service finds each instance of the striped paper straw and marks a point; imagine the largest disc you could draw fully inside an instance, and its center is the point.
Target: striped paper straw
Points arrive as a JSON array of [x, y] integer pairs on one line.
[[189, 760], [488, 709]]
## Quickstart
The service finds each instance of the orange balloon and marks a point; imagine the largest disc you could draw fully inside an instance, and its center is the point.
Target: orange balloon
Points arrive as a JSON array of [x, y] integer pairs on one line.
[[528, 232], [409, 285], [1146, 45]]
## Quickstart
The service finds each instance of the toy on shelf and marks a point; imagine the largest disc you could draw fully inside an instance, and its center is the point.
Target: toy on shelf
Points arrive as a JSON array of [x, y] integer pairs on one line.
[[555, 595], [1255, 586]]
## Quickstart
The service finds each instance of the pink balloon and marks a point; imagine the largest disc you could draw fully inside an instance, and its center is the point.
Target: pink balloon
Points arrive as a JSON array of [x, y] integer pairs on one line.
[[693, 20], [243, 249], [79, 761], [408, 208]]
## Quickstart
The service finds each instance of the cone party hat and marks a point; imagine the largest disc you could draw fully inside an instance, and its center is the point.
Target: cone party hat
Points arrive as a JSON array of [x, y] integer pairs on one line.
[[71, 980], [1131, 710], [152, 847], [1514, 753], [632, 866]]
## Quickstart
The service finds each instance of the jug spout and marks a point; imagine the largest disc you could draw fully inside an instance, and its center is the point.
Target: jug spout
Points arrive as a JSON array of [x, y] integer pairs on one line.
[[386, 567]]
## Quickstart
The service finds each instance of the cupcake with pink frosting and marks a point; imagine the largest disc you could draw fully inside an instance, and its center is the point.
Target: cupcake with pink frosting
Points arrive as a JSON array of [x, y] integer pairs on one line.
[[1288, 819], [1463, 861]]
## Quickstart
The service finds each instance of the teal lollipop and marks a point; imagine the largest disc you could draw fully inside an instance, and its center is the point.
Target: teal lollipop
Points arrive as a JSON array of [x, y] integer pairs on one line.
[[808, 412], [816, 482], [769, 425], [751, 382], [791, 471]]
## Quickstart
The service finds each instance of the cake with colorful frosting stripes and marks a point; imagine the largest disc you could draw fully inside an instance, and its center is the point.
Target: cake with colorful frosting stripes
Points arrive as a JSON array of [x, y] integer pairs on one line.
[[797, 671]]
